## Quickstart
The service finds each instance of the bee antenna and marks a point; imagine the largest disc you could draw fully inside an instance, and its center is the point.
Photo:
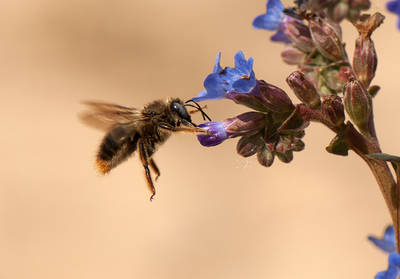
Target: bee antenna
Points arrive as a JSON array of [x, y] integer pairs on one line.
[[197, 106]]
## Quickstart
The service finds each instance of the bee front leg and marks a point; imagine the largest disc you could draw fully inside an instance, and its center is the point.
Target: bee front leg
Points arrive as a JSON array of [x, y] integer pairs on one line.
[[145, 161], [154, 167]]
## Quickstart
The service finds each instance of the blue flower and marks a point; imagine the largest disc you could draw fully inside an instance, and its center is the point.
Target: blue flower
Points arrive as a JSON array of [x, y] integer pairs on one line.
[[394, 7], [218, 133], [240, 79], [272, 20], [388, 244]]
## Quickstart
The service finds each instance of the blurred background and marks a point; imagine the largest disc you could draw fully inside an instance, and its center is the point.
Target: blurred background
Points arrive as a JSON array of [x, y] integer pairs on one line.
[[216, 215]]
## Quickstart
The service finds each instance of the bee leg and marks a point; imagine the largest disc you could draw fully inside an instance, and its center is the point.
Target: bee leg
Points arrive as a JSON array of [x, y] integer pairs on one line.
[[145, 161], [154, 167]]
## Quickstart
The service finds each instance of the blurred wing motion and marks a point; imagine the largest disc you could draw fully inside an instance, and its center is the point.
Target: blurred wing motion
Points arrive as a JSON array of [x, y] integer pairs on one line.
[[121, 138], [104, 116]]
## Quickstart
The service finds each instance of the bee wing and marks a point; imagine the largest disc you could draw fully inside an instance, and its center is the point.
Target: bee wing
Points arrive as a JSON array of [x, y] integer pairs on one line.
[[104, 116]]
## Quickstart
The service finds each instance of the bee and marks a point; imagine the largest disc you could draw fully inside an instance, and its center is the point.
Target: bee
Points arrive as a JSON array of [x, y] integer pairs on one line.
[[143, 130]]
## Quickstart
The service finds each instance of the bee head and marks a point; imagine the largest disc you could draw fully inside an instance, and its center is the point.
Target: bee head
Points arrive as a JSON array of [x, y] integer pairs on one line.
[[183, 115]]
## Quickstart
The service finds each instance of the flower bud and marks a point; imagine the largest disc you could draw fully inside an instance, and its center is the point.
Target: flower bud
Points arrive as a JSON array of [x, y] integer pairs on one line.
[[248, 100], [272, 97], [332, 108], [298, 33], [293, 56], [373, 90], [360, 4], [298, 145], [249, 145], [284, 150], [266, 155], [304, 89], [339, 11], [365, 60], [326, 38], [358, 104], [338, 146], [319, 5], [248, 123], [331, 78]]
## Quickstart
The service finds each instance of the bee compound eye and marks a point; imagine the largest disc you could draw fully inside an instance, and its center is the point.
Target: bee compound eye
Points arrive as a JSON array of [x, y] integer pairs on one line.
[[181, 111]]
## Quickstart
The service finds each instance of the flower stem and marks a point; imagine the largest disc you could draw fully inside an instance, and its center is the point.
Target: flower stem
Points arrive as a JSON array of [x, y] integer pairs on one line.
[[363, 146]]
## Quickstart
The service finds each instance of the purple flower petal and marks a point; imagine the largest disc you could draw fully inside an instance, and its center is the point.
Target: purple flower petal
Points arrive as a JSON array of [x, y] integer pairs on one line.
[[218, 133], [393, 6], [280, 37], [272, 18], [240, 79]]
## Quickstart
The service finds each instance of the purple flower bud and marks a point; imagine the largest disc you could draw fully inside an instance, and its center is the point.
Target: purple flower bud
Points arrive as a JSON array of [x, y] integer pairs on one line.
[[319, 5], [298, 145], [327, 38], [304, 89], [248, 100], [358, 104], [373, 90], [298, 33], [272, 97], [266, 155], [293, 56], [360, 4], [338, 146], [339, 11], [248, 123], [333, 109], [365, 60], [249, 145], [284, 151]]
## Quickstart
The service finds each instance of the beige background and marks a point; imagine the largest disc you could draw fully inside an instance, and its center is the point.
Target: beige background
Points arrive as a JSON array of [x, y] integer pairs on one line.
[[216, 215]]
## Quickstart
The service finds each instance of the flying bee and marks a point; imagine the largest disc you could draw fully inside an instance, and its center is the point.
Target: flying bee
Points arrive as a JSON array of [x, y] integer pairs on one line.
[[129, 129]]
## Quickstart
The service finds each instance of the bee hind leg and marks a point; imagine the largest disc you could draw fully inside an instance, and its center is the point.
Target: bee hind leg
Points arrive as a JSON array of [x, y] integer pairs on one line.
[[143, 154], [154, 168]]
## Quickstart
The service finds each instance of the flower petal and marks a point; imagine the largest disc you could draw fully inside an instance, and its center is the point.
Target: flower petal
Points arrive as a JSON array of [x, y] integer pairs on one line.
[[267, 21], [274, 5], [280, 37], [388, 243], [384, 245], [241, 79], [217, 67], [393, 6], [218, 133], [394, 259], [272, 18]]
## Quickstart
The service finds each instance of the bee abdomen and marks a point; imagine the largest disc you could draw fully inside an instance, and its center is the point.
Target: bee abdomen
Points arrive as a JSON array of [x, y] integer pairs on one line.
[[115, 148]]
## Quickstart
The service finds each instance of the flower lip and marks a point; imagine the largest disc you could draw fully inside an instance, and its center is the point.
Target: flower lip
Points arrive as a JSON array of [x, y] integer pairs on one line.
[[393, 6], [387, 243], [240, 79], [218, 133], [272, 20]]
